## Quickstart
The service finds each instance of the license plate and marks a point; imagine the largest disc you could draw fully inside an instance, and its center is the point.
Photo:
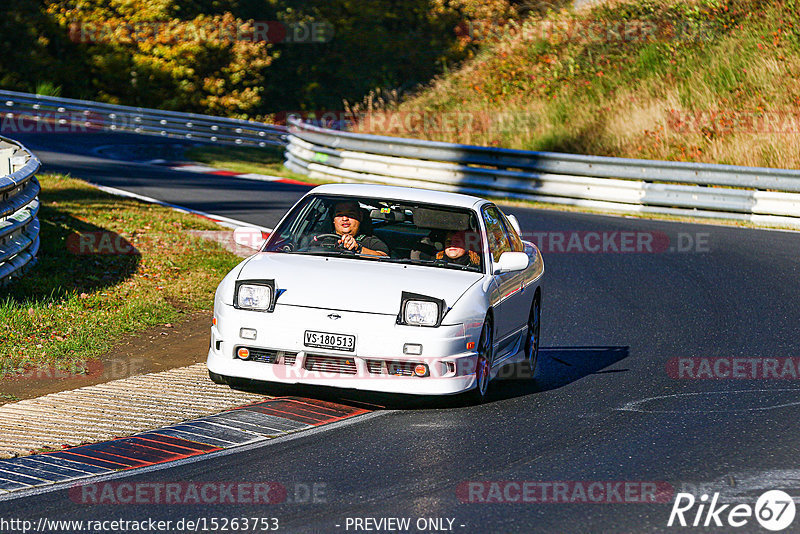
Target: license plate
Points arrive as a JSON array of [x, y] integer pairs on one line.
[[326, 340]]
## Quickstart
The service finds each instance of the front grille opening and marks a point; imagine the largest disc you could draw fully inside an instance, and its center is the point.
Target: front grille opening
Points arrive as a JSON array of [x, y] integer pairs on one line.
[[376, 367], [396, 368], [271, 356], [401, 368], [330, 364]]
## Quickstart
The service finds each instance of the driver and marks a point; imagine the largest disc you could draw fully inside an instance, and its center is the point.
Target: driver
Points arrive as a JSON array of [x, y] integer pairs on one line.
[[347, 217]]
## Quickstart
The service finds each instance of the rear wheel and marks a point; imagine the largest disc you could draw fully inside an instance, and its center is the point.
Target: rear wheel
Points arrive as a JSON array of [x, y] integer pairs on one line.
[[483, 367], [532, 339]]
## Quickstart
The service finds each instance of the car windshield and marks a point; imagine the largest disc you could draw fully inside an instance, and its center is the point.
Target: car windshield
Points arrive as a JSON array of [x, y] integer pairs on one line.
[[381, 230]]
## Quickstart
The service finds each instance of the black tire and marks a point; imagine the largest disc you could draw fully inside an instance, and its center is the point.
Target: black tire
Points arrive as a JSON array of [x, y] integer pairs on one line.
[[218, 379], [532, 337], [483, 367]]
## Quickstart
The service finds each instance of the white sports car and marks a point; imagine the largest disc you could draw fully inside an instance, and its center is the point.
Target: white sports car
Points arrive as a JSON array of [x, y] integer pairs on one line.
[[382, 288]]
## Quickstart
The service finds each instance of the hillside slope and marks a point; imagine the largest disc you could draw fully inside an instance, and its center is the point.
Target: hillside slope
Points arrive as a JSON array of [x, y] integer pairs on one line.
[[707, 80]]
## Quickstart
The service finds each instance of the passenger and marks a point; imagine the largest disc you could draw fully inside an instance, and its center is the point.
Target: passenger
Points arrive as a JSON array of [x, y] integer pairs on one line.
[[347, 219], [457, 249]]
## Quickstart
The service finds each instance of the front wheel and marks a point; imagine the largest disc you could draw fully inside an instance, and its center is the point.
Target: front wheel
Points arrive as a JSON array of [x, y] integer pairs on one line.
[[483, 368]]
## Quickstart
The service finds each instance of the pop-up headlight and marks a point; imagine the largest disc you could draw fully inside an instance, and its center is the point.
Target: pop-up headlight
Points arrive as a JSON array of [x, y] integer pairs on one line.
[[257, 295], [420, 310]]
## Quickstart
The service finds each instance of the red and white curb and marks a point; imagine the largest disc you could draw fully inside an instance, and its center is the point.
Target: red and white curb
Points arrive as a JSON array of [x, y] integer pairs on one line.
[[117, 408], [250, 424]]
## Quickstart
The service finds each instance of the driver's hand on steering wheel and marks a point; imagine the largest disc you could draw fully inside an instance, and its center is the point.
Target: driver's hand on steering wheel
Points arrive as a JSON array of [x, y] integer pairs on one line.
[[349, 242]]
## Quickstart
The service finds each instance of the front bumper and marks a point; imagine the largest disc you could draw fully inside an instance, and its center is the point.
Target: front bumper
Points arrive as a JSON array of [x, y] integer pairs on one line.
[[377, 363]]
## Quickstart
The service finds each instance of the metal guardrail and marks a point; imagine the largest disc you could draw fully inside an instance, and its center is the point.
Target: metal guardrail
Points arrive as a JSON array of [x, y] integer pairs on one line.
[[49, 114], [760, 195], [19, 206]]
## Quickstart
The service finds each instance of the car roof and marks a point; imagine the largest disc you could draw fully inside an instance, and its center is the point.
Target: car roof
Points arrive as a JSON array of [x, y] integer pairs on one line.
[[392, 192]]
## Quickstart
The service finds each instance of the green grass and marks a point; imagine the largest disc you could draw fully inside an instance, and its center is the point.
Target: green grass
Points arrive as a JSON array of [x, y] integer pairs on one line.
[[71, 307]]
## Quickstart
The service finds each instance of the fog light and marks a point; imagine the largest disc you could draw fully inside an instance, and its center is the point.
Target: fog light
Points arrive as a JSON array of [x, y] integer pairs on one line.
[[421, 369], [243, 353], [412, 348], [247, 333]]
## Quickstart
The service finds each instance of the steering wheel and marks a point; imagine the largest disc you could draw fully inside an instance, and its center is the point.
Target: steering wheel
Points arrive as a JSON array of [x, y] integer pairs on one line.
[[323, 240], [327, 241]]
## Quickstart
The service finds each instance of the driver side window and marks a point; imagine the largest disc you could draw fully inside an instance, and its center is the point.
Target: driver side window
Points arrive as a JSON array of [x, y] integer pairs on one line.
[[495, 232]]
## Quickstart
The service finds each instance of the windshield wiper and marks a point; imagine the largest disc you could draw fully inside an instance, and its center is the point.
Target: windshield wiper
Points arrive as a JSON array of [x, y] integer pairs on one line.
[[435, 263], [327, 252], [413, 261]]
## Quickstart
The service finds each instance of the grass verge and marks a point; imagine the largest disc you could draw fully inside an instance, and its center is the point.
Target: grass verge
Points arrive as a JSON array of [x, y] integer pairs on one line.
[[73, 305]]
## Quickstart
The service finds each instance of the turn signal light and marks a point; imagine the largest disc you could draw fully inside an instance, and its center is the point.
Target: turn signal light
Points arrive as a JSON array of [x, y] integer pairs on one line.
[[470, 345], [243, 353], [214, 321]]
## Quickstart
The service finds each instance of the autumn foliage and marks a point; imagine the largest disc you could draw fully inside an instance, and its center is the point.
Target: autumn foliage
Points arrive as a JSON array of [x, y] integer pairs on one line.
[[210, 56]]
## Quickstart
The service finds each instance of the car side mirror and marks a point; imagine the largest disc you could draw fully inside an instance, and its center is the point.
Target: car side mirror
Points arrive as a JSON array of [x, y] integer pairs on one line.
[[510, 261], [248, 236]]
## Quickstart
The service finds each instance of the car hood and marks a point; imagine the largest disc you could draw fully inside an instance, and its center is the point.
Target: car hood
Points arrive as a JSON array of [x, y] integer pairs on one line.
[[351, 284]]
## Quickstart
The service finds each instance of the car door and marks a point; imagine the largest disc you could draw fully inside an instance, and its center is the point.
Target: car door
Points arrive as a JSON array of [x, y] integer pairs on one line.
[[507, 285], [522, 300]]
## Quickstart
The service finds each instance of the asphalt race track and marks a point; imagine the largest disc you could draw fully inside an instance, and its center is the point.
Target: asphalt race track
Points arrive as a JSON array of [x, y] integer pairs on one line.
[[80, 154], [666, 367]]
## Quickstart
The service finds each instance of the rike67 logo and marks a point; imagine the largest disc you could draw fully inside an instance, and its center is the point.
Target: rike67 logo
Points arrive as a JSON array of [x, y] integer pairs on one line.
[[774, 510]]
